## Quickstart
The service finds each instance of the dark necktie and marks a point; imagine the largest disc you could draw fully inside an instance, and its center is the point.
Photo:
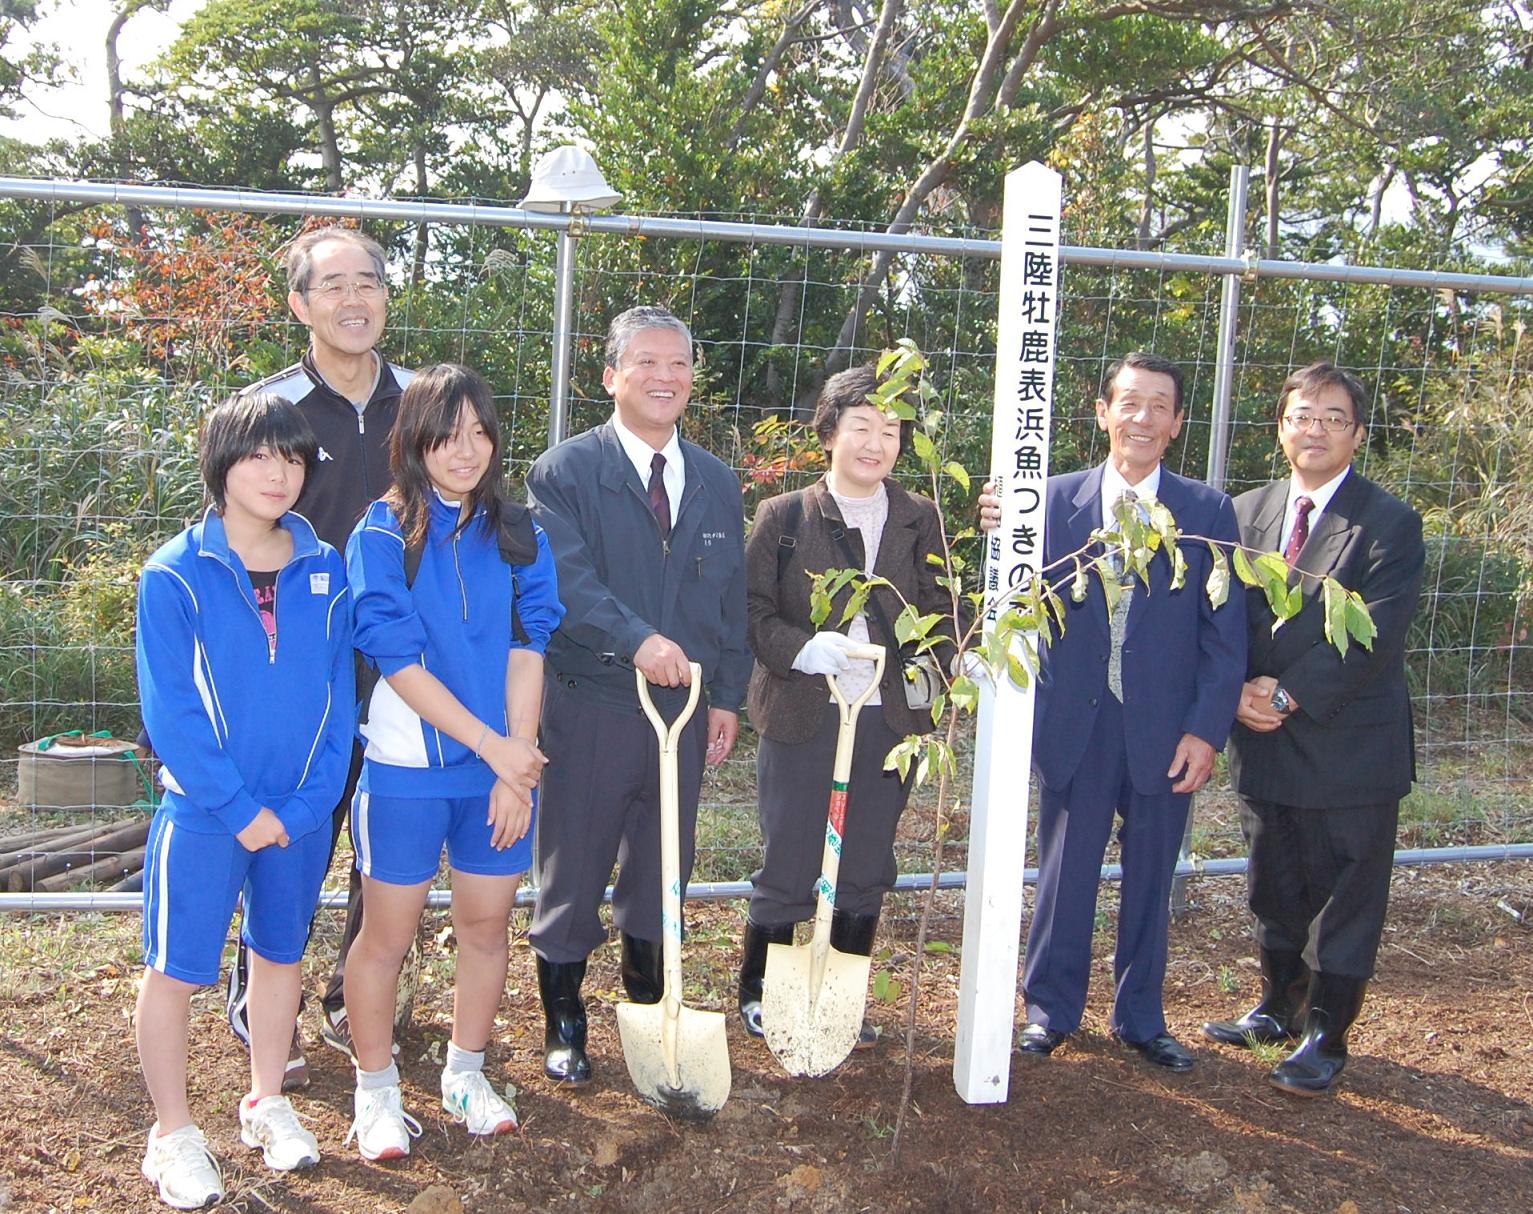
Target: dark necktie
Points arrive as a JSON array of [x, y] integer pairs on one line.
[[1300, 533], [658, 502]]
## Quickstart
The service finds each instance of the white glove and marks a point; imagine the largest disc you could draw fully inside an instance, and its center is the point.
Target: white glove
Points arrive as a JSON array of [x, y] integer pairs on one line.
[[825, 653]]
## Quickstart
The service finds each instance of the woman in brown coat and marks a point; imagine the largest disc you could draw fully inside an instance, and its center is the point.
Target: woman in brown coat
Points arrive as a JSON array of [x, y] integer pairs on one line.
[[855, 517]]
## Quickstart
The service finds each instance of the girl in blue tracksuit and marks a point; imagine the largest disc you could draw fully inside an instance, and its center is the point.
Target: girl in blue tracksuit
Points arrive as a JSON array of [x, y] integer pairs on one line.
[[455, 599], [245, 675]]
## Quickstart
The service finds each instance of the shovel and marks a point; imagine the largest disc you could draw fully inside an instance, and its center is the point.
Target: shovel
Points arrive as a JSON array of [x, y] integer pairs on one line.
[[677, 1056], [813, 995]]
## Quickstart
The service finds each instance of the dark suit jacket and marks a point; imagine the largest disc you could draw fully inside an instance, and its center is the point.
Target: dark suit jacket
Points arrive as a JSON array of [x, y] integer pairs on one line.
[[1183, 660], [620, 584], [785, 704], [1350, 742]]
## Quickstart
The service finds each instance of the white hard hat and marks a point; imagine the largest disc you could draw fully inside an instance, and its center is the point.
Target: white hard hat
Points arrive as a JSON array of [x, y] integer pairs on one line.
[[568, 175]]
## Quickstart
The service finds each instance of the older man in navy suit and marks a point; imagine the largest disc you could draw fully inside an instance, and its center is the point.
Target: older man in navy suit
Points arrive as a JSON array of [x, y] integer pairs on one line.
[[1133, 704]]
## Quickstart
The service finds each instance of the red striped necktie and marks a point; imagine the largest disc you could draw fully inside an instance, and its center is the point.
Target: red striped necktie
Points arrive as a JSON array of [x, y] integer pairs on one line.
[[1300, 532], [658, 501]]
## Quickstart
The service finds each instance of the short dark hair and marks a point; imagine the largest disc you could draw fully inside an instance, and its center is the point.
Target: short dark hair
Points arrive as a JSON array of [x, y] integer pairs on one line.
[[299, 261], [241, 426], [627, 325], [1143, 360], [845, 390], [1315, 378], [428, 415]]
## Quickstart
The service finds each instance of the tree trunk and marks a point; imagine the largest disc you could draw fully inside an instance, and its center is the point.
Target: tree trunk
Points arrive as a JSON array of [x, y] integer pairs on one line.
[[983, 91], [323, 109], [422, 229], [1273, 181], [792, 289], [1147, 209]]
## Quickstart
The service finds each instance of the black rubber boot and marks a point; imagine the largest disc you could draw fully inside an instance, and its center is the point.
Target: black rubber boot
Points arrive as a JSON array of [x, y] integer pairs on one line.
[[753, 959], [1278, 1017], [643, 970], [564, 1040], [853, 933], [1334, 1002]]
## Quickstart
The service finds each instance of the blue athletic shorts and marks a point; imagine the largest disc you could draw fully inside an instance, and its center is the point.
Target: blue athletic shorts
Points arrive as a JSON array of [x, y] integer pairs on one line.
[[399, 839], [192, 881]]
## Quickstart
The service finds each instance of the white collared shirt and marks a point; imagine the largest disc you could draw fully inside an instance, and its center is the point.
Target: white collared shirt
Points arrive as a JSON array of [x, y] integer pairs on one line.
[[641, 455], [1321, 497], [1114, 487]]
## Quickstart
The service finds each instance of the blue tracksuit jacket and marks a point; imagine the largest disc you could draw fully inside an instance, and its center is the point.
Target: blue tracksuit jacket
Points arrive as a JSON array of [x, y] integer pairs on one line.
[[455, 619], [239, 723]]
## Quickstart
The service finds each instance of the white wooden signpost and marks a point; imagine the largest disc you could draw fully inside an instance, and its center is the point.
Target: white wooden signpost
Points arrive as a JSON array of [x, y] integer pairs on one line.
[[1019, 463]]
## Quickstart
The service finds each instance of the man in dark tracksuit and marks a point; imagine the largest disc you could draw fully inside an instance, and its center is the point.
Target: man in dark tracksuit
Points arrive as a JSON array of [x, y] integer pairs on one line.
[[647, 531], [1322, 750], [350, 395]]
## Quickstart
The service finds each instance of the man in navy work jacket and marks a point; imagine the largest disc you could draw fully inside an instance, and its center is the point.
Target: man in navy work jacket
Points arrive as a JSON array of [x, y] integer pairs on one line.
[[647, 532], [1132, 706], [1322, 750], [349, 394]]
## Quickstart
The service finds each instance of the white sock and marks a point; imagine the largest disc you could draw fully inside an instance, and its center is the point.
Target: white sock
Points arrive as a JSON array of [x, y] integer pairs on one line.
[[460, 1060], [372, 1081]]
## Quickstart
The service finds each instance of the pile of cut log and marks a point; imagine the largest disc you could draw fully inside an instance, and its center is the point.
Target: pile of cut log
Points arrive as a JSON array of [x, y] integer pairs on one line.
[[73, 857]]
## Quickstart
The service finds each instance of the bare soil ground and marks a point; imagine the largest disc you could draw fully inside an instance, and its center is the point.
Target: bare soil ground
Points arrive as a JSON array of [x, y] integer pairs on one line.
[[1435, 1112]]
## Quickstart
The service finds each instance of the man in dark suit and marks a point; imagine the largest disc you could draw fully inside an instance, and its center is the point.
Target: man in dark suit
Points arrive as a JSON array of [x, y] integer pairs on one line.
[[1322, 751], [1133, 704]]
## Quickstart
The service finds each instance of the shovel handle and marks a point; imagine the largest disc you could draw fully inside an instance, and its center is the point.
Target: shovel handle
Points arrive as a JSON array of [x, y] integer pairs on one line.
[[850, 708], [670, 861], [835, 822], [670, 734]]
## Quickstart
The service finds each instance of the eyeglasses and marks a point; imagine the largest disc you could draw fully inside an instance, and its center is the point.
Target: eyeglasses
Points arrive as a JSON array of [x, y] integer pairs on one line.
[[1329, 422], [338, 289]]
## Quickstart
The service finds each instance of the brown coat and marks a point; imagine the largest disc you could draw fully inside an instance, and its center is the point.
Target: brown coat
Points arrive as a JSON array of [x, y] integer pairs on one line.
[[785, 704]]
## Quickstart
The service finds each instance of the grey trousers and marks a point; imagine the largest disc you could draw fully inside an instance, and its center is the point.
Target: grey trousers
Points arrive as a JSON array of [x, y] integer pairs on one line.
[[793, 793], [600, 803], [1318, 881]]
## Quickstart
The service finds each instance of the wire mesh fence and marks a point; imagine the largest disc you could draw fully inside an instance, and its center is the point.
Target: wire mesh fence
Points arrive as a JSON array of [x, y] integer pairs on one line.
[[124, 319]]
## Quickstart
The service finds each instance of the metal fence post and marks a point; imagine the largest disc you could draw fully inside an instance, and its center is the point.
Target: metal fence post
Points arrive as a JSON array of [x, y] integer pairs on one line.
[[564, 309], [1219, 423]]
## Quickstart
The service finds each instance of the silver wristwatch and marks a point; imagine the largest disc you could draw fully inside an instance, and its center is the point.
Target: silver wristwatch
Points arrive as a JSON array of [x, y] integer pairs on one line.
[[1282, 703]]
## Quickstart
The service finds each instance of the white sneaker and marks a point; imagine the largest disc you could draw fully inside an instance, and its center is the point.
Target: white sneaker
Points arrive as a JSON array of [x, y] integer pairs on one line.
[[382, 1128], [272, 1125], [181, 1164], [468, 1096]]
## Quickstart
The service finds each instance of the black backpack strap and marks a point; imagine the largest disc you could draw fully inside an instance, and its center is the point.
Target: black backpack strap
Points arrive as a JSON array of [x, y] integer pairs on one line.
[[517, 539], [413, 554], [792, 519]]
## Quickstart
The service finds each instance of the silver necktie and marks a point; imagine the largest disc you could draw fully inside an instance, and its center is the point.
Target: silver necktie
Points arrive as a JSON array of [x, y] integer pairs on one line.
[[1118, 622]]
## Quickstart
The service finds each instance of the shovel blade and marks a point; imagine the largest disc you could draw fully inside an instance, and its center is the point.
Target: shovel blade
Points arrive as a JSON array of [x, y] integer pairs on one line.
[[810, 1033], [702, 1059]]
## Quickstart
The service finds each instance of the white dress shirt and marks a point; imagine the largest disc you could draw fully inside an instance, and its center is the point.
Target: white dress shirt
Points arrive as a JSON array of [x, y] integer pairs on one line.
[[1321, 497], [641, 454], [1114, 487]]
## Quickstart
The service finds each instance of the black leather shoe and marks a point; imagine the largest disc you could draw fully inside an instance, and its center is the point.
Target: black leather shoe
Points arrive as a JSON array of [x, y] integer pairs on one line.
[[1036, 1039], [1278, 1018], [1334, 1002], [564, 1038], [753, 959], [1163, 1050], [643, 970]]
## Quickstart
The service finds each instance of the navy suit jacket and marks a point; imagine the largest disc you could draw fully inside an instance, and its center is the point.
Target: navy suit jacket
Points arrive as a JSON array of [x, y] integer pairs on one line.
[[1350, 742], [1184, 661]]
